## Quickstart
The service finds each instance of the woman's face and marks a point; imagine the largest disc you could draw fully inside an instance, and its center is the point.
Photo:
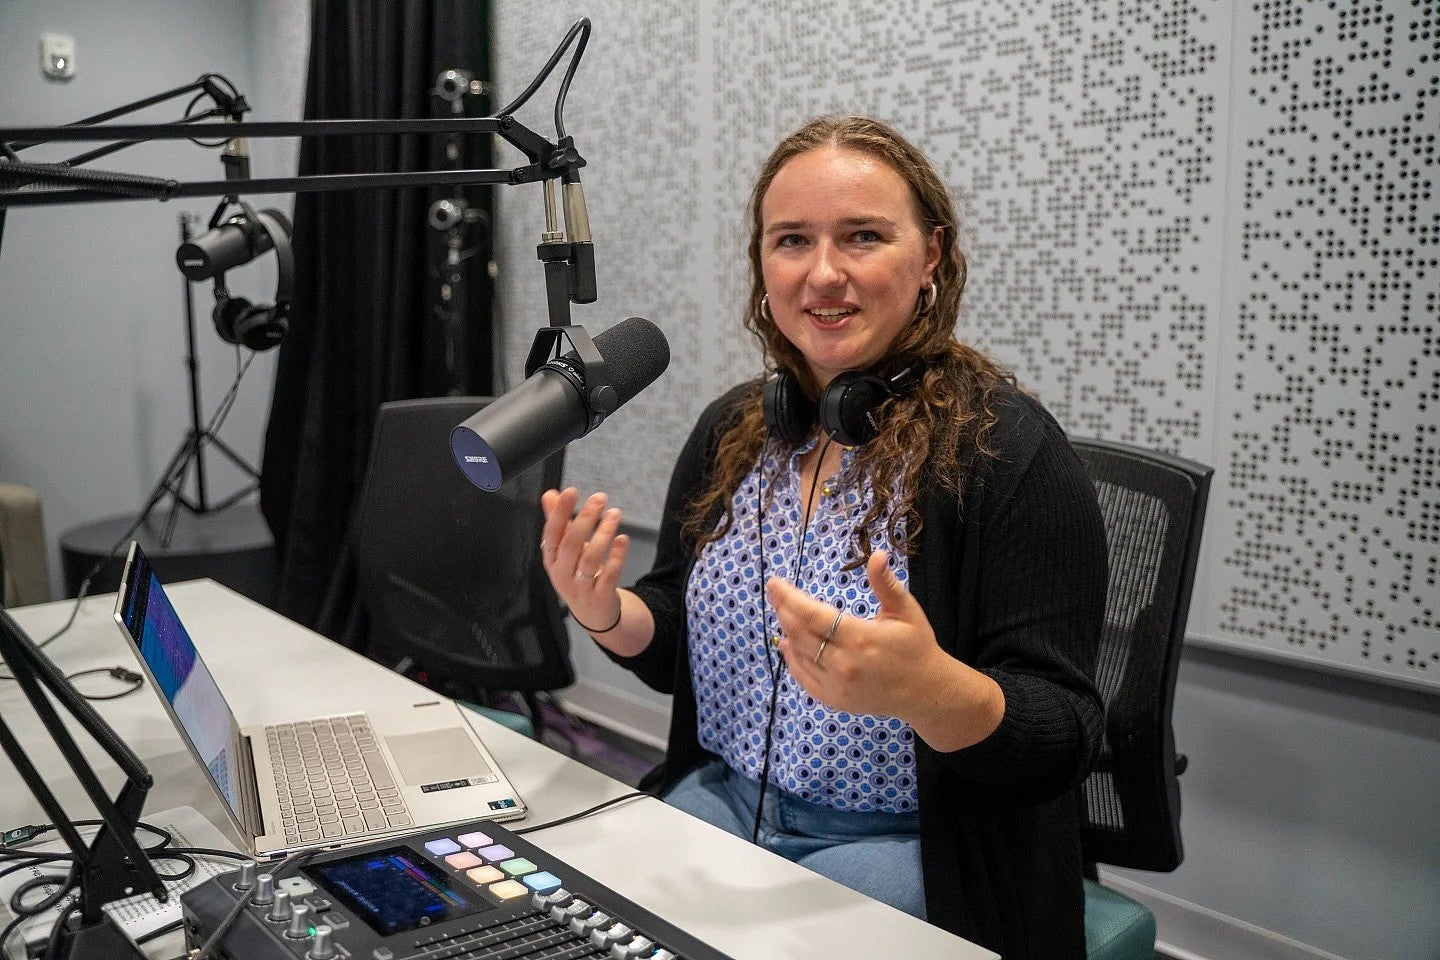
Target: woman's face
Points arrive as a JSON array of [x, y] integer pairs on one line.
[[844, 257]]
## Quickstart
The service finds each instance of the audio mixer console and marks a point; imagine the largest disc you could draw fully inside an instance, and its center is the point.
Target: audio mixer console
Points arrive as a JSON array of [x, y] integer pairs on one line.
[[469, 892]]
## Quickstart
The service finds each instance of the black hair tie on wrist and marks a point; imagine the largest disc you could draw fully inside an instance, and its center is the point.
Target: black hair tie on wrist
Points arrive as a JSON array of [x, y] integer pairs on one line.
[[591, 630]]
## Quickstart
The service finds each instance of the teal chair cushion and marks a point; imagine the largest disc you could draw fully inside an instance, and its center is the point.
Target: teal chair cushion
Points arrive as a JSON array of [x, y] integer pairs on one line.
[[1116, 927], [515, 721]]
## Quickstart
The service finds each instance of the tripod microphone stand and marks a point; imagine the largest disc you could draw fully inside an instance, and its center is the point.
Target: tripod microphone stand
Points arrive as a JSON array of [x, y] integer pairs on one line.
[[233, 547], [92, 546], [199, 436]]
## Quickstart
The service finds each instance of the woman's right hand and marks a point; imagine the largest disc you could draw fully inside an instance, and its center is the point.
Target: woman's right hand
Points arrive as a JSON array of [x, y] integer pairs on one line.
[[584, 553]]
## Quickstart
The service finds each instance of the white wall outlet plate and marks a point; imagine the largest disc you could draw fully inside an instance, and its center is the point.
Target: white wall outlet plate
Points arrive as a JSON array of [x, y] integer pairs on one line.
[[57, 56]]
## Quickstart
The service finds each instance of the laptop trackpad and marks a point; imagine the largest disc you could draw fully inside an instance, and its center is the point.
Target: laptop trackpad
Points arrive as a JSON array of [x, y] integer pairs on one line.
[[432, 756]]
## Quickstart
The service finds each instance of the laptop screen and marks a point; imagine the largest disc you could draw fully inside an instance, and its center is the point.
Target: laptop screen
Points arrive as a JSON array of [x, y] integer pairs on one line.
[[180, 675]]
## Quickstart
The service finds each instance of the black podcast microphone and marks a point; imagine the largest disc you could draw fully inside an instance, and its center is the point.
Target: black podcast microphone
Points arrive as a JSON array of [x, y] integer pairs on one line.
[[231, 244], [552, 407]]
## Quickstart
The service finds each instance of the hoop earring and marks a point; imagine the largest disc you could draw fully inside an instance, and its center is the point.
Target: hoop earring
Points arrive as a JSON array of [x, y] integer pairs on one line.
[[765, 313], [927, 302]]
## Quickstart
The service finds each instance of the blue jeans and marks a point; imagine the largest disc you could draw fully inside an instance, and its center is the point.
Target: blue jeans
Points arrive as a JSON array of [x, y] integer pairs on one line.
[[877, 854]]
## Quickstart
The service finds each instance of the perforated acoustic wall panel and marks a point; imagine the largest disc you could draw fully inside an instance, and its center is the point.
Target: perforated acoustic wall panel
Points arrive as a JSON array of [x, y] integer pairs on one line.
[[1203, 227], [1329, 533]]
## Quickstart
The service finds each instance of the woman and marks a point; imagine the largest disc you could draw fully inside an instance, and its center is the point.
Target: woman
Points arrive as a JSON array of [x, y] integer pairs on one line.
[[879, 647]]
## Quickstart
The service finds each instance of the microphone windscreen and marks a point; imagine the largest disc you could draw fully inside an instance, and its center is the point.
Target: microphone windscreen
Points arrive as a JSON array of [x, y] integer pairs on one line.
[[635, 353]]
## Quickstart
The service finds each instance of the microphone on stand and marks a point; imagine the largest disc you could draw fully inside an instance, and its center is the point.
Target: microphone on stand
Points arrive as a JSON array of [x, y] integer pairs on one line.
[[554, 405], [233, 243]]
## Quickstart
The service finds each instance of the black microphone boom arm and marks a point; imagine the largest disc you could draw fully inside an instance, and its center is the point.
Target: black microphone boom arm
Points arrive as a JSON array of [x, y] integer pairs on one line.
[[547, 160], [112, 865], [569, 265], [571, 260]]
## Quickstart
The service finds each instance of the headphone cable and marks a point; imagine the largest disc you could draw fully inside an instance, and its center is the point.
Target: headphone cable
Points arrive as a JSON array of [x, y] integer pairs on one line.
[[777, 665]]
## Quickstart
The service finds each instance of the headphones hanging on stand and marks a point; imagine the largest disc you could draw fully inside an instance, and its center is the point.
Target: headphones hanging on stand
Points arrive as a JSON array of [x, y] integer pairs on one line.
[[846, 409], [258, 326]]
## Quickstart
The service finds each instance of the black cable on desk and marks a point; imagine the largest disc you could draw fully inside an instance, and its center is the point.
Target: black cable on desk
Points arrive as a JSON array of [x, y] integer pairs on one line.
[[159, 932], [585, 813], [9, 929], [28, 834], [161, 850], [79, 599], [53, 944], [135, 680], [211, 852]]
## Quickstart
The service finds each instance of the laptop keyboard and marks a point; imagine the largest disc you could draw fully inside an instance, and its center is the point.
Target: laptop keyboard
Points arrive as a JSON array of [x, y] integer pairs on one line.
[[332, 780]]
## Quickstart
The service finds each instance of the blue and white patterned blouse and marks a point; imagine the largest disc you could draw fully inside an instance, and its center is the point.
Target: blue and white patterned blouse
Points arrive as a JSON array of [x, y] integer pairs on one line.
[[842, 760]]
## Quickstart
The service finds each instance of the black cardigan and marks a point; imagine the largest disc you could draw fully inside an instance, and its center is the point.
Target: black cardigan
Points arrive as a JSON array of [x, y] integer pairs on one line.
[[1013, 584]]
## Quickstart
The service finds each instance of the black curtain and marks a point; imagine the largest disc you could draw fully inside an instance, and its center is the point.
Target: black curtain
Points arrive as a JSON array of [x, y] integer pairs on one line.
[[366, 324]]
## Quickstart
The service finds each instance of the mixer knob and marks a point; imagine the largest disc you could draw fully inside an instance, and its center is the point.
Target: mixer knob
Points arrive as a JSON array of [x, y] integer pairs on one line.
[[264, 890], [246, 880], [322, 947], [280, 909], [299, 927]]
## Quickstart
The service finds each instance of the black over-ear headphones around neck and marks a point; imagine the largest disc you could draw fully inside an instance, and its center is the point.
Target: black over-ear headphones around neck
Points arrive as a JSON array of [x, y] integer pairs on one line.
[[847, 412], [263, 325], [846, 409]]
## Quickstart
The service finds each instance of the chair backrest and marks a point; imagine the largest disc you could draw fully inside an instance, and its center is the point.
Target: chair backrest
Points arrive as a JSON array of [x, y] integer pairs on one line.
[[1154, 507], [450, 574]]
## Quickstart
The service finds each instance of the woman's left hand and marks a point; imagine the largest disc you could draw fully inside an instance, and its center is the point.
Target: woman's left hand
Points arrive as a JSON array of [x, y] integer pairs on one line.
[[890, 666], [887, 666]]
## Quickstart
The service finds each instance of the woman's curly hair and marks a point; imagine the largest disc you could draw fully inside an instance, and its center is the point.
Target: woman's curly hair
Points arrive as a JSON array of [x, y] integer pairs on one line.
[[936, 431]]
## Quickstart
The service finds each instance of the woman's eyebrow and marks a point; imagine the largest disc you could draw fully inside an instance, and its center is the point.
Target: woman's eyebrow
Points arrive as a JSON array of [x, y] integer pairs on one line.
[[783, 226]]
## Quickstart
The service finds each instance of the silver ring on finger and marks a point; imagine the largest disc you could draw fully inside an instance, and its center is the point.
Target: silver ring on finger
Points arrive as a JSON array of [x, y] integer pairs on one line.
[[830, 633], [824, 642]]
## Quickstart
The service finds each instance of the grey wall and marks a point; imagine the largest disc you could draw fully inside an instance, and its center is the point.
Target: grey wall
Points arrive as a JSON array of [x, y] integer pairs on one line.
[[1309, 805], [1202, 226], [93, 387]]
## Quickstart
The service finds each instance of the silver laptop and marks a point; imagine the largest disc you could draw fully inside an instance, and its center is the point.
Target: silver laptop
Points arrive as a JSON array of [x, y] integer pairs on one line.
[[314, 781]]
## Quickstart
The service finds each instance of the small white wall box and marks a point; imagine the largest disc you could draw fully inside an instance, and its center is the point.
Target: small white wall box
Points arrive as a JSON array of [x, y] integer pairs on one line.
[[57, 55]]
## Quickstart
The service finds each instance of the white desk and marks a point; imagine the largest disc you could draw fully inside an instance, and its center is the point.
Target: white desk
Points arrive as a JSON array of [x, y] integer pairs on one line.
[[742, 900]]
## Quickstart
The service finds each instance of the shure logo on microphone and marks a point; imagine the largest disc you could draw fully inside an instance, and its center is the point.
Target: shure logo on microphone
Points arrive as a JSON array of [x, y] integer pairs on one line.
[[471, 458], [194, 263]]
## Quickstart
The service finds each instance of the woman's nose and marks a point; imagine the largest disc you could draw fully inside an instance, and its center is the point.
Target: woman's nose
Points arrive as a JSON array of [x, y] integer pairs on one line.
[[828, 268]]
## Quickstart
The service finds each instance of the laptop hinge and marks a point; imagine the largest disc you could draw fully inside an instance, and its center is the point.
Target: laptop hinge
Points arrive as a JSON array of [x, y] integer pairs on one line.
[[249, 793]]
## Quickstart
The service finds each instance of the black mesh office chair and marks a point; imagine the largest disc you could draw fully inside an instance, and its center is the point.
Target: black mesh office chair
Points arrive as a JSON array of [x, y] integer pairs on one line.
[[450, 574], [1154, 507]]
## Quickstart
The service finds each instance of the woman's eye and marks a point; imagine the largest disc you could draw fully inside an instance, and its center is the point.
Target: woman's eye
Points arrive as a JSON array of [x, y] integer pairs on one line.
[[867, 236], [789, 240]]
